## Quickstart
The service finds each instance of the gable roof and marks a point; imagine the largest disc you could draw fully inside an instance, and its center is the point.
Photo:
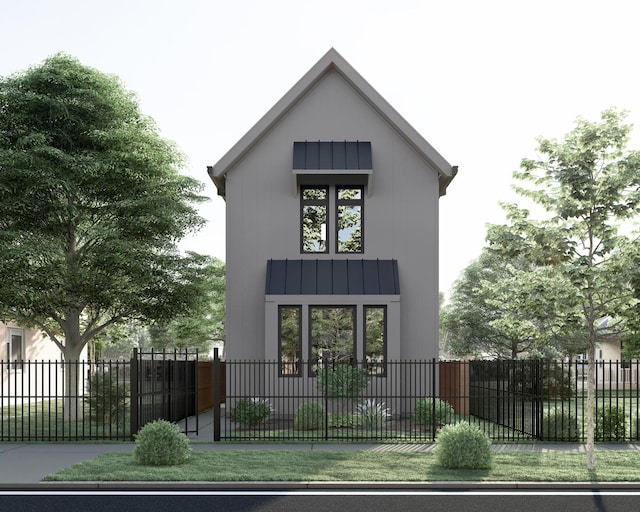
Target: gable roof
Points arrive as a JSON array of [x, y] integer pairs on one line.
[[332, 61]]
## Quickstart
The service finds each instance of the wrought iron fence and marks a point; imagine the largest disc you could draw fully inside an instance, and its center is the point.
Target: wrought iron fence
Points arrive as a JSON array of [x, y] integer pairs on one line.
[[64, 401], [508, 400]]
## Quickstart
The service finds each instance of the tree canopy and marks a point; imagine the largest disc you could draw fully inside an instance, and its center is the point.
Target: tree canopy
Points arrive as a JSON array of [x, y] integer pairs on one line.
[[93, 206], [588, 187]]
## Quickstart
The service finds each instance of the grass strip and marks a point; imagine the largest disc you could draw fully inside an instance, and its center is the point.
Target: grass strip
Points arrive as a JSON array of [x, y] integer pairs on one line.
[[361, 465]]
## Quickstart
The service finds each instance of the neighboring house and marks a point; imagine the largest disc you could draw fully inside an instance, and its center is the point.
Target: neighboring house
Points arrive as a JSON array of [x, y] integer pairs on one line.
[[25, 363], [332, 228]]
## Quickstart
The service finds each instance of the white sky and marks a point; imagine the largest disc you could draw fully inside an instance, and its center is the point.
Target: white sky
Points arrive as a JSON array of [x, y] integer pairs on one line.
[[479, 80]]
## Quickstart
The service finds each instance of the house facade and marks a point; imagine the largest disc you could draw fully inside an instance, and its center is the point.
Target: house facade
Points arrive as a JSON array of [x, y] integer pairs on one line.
[[22, 379], [332, 228]]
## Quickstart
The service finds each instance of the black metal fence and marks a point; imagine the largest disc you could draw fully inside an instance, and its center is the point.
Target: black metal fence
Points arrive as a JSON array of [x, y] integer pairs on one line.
[[412, 400], [400, 401], [164, 385], [96, 400], [64, 401]]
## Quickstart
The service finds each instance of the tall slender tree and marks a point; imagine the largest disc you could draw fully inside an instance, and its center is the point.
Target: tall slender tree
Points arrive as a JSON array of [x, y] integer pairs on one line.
[[93, 206], [589, 186]]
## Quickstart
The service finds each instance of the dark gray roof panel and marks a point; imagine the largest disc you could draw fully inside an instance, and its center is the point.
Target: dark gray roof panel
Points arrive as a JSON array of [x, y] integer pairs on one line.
[[332, 277], [333, 155]]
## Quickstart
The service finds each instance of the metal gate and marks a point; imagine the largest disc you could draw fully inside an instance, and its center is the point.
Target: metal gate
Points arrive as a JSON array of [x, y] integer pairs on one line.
[[164, 385], [508, 393]]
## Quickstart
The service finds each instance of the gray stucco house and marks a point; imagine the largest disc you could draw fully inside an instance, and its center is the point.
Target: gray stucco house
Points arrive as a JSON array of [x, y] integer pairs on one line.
[[332, 228]]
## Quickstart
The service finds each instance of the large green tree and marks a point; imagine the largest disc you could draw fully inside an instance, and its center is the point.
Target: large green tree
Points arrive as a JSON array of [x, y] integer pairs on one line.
[[588, 186], [92, 205], [203, 324]]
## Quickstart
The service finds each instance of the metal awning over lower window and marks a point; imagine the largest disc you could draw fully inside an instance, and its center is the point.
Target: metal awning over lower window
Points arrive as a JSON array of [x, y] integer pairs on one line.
[[332, 277]]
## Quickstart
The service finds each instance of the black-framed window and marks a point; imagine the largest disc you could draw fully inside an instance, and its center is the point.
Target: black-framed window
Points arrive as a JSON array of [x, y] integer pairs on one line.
[[314, 217], [375, 339], [290, 340], [15, 348], [332, 334], [349, 219]]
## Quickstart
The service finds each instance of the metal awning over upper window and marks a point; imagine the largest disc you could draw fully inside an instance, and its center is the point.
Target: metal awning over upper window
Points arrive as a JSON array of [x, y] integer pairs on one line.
[[346, 162], [332, 277]]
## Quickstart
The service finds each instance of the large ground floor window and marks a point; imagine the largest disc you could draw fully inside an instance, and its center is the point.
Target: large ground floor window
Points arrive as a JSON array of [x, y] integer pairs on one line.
[[323, 333]]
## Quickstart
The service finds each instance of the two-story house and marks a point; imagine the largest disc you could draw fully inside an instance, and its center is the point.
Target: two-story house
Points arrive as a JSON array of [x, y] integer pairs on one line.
[[332, 228]]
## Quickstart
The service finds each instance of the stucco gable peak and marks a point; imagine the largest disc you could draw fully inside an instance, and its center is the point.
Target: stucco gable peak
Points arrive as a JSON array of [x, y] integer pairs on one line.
[[331, 61]]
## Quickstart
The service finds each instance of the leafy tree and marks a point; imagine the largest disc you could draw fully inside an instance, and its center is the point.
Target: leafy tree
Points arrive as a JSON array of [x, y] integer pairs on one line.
[[92, 208], [588, 185], [203, 323]]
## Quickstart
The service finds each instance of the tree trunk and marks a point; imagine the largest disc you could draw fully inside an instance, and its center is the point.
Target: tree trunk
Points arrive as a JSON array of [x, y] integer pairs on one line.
[[73, 405], [591, 392]]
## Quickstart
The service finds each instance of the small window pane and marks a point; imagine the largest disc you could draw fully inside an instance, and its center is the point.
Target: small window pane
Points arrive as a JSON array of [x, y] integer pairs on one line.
[[375, 339], [314, 219], [332, 334], [349, 215], [349, 229], [290, 329]]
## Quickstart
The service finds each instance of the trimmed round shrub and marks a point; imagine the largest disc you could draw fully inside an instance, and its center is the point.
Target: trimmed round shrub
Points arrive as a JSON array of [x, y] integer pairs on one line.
[[432, 412], [611, 424], [463, 446], [161, 443], [309, 416], [558, 425], [251, 412]]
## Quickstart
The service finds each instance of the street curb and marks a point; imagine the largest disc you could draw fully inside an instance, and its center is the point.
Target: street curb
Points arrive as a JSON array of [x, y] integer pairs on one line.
[[316, 485]]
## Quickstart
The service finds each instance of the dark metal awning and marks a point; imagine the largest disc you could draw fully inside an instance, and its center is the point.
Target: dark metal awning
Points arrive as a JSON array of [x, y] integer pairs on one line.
[[343, 162], [332, 277], [334, 156]]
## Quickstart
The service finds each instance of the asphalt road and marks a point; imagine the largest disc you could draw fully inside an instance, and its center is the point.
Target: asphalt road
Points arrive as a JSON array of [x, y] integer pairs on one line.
[[302, 501]]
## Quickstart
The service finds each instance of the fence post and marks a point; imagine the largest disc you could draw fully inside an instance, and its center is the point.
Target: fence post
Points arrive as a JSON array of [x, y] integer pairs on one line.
[[134, 386], [217, 385]]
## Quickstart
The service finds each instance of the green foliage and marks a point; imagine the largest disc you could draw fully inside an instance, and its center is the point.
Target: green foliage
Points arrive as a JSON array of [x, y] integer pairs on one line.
[[559, 425], [611, 424], [432, 412], [463, 446], [161, 443], [93, 206], [343, 420], [309, 416], [342, 381], [251, 412], [372, 415], [108, 399]]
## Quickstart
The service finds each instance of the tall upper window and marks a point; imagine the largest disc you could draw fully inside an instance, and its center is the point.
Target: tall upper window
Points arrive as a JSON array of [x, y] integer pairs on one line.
[[350, 205], [315, 209], [15, 348], [347, 203]]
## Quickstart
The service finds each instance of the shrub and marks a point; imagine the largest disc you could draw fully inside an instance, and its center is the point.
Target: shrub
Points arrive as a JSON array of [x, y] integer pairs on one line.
[[251, 412], [558, 425], [463, 446], [432, 412], [341, 381], [372, 414], [611, 424], [161, 443], [309, 416], [108, 399], [343, 420]]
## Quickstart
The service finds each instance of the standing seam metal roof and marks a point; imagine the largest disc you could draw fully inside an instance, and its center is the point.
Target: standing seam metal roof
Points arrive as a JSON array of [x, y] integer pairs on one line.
[[332, 277]]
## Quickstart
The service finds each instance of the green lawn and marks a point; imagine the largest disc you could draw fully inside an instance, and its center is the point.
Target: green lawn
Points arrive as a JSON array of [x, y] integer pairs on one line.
[[361, 465]]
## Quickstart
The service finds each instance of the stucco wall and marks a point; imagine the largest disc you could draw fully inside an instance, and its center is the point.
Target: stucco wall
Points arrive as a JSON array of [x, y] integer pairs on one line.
[[401, 216]]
